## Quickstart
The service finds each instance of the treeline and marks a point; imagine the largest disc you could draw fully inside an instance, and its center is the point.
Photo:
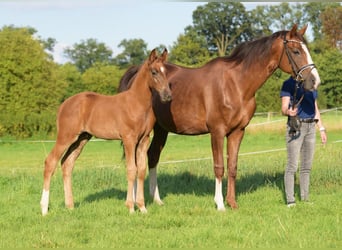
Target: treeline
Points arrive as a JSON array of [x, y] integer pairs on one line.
[[33, 85]]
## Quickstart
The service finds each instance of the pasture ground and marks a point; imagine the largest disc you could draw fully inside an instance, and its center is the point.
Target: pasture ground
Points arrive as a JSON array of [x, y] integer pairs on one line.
[[186, 181]]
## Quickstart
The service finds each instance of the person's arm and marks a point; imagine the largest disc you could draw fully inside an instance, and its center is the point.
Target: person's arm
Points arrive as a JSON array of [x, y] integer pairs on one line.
[[320, 126], [285, 110]]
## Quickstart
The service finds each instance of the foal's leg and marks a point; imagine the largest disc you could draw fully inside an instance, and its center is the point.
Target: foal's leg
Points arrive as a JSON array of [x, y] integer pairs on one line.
[[50, 167], [130, 147], [217, 150], [68, 163], [233, 144], [141, 165], [154, 151]]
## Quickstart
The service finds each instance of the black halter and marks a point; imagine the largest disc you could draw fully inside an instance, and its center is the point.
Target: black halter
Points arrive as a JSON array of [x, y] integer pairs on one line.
[[295, 69]]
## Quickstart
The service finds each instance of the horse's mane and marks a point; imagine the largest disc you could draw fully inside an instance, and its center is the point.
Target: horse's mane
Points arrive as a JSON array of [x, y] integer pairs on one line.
[[251, 51], [127, 79]]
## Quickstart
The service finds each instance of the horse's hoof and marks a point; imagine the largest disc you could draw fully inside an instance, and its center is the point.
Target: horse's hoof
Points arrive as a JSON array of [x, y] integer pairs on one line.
[[221, 209], [233, 204], [44, 211], [159, 202], [219, 204], [143, 210]]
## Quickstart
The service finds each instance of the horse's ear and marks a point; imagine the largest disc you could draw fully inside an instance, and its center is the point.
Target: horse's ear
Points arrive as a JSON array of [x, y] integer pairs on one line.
[[163, 56], [302, 30], [293, 31], [153, 56]]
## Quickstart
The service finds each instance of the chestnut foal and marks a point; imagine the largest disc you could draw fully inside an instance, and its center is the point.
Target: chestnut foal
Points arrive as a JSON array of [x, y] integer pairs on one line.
[[127, 116]]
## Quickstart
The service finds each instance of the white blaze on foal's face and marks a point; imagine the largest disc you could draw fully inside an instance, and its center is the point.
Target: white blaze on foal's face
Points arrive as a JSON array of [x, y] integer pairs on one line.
[[162, 69]]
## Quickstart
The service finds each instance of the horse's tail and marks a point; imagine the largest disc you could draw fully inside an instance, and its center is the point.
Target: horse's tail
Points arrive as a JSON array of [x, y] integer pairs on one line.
[[127, 79]]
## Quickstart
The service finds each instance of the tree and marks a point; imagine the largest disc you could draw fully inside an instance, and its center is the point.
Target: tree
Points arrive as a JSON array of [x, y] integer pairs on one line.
[[330, 70], [312, 13], [29, 88], [102, 78], [285, 15], [260, 21], [332, 26], [86, 53], [223, 24], [134, 52], [189, 49], [70, 77]]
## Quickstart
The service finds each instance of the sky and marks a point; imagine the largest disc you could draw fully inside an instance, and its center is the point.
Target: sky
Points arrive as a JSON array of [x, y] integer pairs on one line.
[[109, 21]]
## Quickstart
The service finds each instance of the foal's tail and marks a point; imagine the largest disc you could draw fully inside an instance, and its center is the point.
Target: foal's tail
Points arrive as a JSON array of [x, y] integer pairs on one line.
[[127, 79]]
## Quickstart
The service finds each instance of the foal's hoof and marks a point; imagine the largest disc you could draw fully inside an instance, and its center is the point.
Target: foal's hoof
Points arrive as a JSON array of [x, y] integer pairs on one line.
[[44, 208], [44, 211]]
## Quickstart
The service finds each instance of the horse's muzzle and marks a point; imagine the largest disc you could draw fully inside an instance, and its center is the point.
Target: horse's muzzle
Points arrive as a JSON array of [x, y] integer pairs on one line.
[[166, 96], [312, 80]]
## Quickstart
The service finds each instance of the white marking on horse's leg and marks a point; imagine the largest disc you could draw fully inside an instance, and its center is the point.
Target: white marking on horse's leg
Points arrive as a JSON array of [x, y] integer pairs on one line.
[[154, 191], [218, 195], [44, 202]]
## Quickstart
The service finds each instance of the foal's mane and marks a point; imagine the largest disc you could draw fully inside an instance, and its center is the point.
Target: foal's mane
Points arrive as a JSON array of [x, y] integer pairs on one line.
[[254, 51]]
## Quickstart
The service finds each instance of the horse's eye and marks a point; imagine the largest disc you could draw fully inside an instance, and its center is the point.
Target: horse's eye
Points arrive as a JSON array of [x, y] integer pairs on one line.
[[296, 52], [154, 72]]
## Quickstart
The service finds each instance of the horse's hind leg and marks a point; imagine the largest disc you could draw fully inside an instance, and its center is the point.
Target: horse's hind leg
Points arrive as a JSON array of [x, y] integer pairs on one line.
[[50, 167], [233, 142], [68, 162], [154, 151]]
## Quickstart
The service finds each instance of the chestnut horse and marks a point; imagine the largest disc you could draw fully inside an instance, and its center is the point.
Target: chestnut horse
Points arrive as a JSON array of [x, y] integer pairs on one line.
[[126, 116], [219, 98]]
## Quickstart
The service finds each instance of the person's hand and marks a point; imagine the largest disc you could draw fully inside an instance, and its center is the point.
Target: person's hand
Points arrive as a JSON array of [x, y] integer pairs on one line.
[[324, 137], [292, 112]]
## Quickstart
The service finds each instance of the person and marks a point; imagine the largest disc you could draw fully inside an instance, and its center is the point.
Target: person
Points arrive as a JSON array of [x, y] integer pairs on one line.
[[303, 114]]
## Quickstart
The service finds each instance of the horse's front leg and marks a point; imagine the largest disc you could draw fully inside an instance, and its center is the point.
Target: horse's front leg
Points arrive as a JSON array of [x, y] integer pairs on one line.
[[233, 146], [131, 171], [141, 165], [217, 150]]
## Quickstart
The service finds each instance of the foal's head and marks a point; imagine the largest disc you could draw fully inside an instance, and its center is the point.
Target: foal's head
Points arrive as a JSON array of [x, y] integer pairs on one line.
[[157, 71], [297, 59]]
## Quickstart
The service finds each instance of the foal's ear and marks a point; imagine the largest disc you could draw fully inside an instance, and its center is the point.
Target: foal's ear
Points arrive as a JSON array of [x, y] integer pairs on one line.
[[163, 56], [302, 31], [153, 56]]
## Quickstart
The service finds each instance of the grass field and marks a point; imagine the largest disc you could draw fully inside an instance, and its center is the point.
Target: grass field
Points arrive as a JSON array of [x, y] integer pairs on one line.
[[186, 181]]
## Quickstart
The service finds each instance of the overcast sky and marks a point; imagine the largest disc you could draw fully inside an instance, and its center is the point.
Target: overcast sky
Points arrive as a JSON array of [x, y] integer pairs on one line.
[[70, 21]]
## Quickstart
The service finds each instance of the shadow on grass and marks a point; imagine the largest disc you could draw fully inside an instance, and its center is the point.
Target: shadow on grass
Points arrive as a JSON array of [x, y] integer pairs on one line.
[[111, 193], [188, 183]]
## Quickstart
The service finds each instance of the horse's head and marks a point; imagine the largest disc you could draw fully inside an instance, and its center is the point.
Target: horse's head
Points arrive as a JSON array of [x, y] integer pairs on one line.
[[157, 72], [297, 60]]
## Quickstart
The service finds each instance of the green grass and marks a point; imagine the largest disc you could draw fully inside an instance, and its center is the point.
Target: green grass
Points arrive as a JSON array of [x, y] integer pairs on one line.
[[189, 217]]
